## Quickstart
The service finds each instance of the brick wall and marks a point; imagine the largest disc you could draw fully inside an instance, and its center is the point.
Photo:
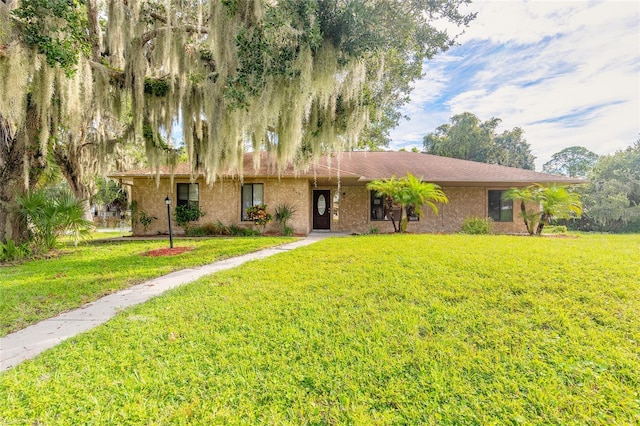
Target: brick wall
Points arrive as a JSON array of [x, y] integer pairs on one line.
[[464, 202], [221, 201]]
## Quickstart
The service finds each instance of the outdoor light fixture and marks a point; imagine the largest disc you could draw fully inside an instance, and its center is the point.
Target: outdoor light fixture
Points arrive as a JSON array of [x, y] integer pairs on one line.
[[168, 203]]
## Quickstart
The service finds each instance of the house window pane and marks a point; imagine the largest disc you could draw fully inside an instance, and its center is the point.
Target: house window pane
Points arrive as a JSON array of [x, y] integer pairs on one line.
[[252, 195], [500, 210], [380, 210], [188, 194]]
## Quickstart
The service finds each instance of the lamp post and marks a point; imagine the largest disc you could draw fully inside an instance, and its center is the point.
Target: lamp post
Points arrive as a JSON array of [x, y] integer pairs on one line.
[[168, 203]]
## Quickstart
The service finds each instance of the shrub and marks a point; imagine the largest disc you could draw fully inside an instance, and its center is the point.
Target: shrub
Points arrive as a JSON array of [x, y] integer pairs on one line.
[[195, 231], [145, 220], [141, 217], [283, 213], [477, 226], [239, 231], [52, 215], [207, 229], [287, 230], [185, 214], [555, 229], [11, 251], [258, 214]]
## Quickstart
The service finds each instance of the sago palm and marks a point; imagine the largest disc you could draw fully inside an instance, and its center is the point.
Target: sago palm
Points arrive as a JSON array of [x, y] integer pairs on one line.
[[388, 190], [553, 202], [414, 193]]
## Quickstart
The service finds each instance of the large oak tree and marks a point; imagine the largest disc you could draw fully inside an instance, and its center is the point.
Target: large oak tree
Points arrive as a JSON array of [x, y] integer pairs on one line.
[[294, 77]]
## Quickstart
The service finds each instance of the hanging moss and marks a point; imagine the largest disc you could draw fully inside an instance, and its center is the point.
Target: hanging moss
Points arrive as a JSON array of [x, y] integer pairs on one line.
[[293, 78]]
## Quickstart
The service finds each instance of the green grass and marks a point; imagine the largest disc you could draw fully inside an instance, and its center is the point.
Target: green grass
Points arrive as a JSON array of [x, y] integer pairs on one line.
[[416, 329], [96, 236], [39, 289]]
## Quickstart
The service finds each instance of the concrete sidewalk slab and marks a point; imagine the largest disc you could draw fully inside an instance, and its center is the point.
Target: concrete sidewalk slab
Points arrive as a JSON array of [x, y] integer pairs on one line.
[[33, 340]]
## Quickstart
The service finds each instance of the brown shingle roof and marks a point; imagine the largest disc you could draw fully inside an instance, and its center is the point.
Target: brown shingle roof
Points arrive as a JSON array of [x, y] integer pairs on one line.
[[366, 166]]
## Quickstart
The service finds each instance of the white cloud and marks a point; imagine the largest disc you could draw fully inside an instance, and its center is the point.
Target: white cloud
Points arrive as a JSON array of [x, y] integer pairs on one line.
[[566, 72]]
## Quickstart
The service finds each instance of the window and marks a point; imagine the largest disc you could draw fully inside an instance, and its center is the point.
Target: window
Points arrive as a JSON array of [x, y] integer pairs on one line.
[[500, 210], [252, 195], [188, 194], [380, 210]]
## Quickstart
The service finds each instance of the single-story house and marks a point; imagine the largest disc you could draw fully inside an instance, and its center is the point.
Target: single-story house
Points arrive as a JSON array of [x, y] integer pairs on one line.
[[333, 195]]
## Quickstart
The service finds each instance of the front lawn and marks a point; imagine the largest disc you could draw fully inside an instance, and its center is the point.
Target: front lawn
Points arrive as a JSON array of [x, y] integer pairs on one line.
[[40, 289], [412, 329]]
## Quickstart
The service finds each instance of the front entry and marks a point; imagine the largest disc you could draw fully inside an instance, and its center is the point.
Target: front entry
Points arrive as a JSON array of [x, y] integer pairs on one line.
[[321, 209]]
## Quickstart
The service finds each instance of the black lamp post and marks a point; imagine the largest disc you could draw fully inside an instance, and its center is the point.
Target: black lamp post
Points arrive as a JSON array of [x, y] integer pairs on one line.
[[168, 203]]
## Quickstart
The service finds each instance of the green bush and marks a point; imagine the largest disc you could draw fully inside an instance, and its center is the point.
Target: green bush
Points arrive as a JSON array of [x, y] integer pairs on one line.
[[287, 230], [477, 226], [259, 215], [10, 251], [208, 229], [555, 229], [283, 213], [239, 231], [185, 214], [146, 220], [51, 215], [195, 231]]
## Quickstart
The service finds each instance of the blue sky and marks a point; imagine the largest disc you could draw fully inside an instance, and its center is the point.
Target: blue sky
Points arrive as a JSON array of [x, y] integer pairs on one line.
[[567, 73]]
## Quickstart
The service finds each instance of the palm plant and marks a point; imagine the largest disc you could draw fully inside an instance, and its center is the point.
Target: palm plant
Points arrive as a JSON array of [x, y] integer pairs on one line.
[[282, 214], [411, 194], [387, 189], [553, 202], [49, 216]]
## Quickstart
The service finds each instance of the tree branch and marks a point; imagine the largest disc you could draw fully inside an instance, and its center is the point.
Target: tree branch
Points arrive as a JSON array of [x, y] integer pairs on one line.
[[188, 28]]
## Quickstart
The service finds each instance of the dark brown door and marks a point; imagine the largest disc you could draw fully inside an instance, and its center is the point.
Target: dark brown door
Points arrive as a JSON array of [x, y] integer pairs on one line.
[[321, 209]]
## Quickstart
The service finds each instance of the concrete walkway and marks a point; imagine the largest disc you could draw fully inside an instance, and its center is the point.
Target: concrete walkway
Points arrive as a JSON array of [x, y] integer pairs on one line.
[[31, 341]]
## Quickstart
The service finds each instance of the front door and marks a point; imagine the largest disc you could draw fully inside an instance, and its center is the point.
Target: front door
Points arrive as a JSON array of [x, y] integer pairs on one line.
[[321, 209]]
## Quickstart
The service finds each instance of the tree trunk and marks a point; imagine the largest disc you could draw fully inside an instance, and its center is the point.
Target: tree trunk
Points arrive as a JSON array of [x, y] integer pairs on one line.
[[21, 163], [404, 219], [390, 210], [543, 219], [523, 209]]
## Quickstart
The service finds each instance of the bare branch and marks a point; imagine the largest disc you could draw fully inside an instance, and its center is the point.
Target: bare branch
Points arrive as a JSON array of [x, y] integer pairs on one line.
[[188, 28]]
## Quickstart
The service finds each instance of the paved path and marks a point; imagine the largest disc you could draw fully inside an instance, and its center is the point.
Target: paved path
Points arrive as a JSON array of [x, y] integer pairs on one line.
[[29, 342]]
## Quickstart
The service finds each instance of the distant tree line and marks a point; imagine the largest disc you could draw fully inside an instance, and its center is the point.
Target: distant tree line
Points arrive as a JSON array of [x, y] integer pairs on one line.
[[611, 198], [468, 138]]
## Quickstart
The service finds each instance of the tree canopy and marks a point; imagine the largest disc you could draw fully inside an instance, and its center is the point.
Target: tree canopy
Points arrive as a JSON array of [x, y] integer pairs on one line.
[[295, 78], [612, 197], [468, 138], [575, 161]]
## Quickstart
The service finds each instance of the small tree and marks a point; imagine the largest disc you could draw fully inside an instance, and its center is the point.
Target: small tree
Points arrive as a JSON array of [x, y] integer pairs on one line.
[[546, 203], [258, 214], [411, 194], [387, 189]]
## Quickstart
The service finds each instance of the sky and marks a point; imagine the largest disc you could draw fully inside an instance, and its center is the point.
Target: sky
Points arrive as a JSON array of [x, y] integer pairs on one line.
[[566, 72]]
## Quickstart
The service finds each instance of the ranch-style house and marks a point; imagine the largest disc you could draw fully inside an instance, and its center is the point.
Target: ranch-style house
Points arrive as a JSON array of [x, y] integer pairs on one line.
[[332, 196]]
